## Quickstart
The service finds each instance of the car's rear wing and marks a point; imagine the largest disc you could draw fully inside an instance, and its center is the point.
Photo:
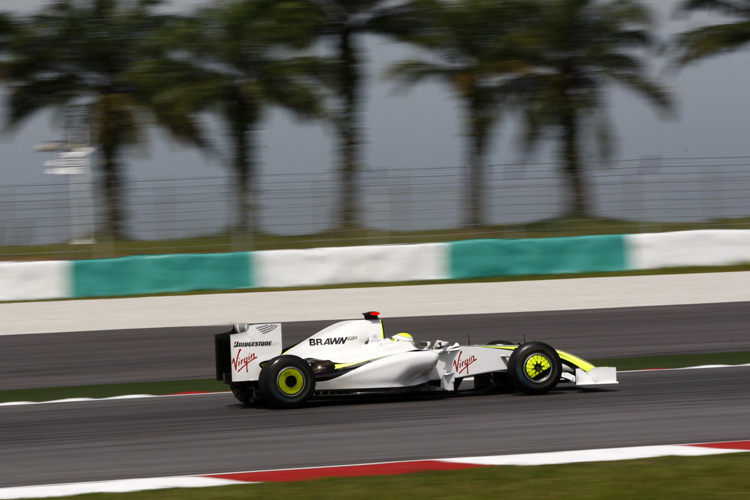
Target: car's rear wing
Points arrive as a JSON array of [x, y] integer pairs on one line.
[[240, 351]]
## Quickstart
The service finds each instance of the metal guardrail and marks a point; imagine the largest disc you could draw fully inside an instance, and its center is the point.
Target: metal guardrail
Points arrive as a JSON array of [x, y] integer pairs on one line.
[[633, 196]]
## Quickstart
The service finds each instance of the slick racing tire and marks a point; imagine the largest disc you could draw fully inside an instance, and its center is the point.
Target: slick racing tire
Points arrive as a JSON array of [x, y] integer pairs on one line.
[[286, 382], [534, 368]]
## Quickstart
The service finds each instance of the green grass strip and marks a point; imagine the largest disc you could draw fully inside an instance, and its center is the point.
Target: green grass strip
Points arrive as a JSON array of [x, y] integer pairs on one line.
[[110, 390], [687, 478], [210, 385], [675, 361]]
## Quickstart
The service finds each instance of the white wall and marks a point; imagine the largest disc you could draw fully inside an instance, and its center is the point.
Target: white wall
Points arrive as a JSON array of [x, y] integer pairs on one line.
[[707, 247], [35, 280], [361, 264]]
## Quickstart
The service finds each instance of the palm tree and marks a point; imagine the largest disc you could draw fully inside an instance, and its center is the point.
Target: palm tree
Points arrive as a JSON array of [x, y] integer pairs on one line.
[[707, 41], [79, 53], [471, 46], [6, 29], [344, 22], [237, 59], [579, 49]]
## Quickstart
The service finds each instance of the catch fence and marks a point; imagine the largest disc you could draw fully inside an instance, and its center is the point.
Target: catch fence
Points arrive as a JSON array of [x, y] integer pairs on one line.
[[61, 218]]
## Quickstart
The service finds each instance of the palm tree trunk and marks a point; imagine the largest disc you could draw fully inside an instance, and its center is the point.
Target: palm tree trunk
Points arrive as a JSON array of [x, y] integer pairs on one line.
[[244, 167], [242, 130], [113, 216], [107, 118], [572, 168], [348, 132], [475, 151]]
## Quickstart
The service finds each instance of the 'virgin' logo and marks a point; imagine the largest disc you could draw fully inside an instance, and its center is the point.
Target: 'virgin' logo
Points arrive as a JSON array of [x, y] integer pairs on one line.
[[462, 365], [239, 363]]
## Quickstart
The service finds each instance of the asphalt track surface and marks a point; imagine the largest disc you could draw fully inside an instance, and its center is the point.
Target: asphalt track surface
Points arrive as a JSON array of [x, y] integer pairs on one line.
[[86, 358], [85, 441]]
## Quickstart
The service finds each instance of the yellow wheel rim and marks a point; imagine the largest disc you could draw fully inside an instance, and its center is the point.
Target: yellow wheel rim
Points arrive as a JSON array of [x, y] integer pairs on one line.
[[291, 381], [537, 366]]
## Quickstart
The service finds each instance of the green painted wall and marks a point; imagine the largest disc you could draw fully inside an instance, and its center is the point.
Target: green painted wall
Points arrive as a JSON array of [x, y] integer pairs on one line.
[[579, 254], [162, 273], [468, 259]]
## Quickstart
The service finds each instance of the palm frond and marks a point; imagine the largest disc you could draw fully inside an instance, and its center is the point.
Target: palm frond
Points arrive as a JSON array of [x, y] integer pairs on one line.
[[657, 95], [730, 8], [412, 72], [25, 99], [695, 45]]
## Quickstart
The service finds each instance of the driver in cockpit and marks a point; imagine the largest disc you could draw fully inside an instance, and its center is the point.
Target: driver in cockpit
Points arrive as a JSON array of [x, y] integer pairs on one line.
[[402, 337]]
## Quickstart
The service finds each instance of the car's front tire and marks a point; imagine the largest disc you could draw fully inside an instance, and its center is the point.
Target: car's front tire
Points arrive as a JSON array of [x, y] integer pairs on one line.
[[286, 382], [534, 368]]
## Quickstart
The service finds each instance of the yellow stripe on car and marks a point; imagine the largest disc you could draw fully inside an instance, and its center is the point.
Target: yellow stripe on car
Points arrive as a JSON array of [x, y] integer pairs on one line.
[[566, 357], [575, 361], [339, 366]]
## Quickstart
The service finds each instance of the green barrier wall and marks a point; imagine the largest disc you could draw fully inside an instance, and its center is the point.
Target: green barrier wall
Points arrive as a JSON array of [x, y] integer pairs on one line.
[[161, 273], [468, 259], [579, 254]]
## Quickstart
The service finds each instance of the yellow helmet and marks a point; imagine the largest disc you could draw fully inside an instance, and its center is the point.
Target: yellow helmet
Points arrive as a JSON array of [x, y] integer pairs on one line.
[[402, 337]]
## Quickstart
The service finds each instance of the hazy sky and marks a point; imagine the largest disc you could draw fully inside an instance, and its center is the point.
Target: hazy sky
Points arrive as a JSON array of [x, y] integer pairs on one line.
[[419, 128]]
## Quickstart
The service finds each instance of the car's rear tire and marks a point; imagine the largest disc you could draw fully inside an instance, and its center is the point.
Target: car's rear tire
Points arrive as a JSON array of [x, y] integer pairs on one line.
[[534, 368], [286, 382]]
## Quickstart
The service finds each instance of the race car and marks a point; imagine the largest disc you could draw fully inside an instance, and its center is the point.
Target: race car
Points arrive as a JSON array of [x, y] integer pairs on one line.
[[355, 357]]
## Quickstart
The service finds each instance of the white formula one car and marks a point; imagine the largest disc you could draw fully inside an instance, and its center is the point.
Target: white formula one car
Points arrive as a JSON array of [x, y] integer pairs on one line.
[[355, 357]]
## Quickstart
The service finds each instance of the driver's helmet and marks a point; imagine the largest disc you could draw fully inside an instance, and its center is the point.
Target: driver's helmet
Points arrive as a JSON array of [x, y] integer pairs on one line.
[[402, 337]]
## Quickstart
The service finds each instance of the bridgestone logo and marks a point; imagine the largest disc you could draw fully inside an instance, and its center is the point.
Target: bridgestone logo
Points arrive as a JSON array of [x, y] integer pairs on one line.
[[252, 344]]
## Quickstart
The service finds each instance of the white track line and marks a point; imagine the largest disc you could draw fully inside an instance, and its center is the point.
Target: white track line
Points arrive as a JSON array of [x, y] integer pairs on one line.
[[116, 486], [699, 367], [111, 398], [601, 455], [143, 396], [202, 481]]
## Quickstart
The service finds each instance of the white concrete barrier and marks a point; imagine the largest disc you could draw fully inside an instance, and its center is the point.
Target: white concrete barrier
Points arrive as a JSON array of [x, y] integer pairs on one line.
[[708, 247], [362, 264], [35, 280]]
